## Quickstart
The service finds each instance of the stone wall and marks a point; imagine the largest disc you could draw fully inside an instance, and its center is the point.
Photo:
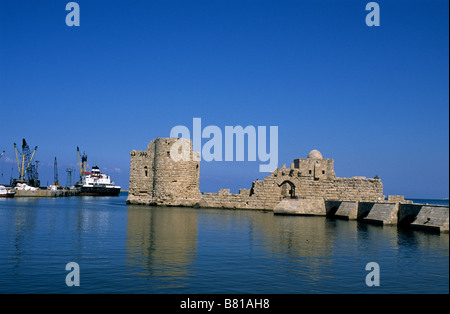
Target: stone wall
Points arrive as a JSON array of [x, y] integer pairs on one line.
[[308, 206], [157, 179], [345, 189], [287, 183], [308, 187], [243, 200]]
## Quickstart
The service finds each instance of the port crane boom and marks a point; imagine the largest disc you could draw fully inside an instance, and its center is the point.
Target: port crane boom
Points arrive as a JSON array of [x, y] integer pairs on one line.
[[82, 163], [79, 161], [28, 165], [56, 181], [25, 166]]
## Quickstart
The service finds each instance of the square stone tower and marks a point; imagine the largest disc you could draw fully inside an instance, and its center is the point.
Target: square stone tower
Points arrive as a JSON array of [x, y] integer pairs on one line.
[[167, 173], [315, 166]]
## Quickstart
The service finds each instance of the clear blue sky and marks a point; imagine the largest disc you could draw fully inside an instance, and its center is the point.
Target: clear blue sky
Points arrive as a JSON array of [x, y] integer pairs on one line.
[[375, 99]]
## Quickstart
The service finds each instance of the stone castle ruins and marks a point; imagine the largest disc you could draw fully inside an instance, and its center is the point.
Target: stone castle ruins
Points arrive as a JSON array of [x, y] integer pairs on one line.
[[156, 179], [308, 187]]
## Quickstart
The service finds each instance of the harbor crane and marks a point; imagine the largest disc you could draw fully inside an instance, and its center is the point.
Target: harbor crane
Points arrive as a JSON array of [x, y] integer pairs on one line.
[[27, 171], [56, 181], [82, 162]]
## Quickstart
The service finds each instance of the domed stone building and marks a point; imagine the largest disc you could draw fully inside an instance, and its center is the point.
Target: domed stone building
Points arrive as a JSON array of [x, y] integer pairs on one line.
[[155, 179], [315, 166]]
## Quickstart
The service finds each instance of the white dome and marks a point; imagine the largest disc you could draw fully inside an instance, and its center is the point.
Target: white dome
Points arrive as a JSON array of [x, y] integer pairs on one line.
[[315, 154]]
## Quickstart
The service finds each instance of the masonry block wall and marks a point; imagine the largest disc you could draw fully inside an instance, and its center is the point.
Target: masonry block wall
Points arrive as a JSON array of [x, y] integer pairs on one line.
[[157, 179]]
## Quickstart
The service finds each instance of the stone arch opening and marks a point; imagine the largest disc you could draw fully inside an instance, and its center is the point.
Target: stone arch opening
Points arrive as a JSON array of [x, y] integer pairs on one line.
[[287, 189]]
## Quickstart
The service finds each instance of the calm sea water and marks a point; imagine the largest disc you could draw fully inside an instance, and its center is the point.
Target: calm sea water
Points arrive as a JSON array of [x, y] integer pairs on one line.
[[137, 249]]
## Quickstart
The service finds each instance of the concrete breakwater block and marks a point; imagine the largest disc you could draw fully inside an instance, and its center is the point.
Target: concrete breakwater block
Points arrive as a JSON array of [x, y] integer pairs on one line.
[[314, 207], [383, 213], [432, 217], [347, 210]]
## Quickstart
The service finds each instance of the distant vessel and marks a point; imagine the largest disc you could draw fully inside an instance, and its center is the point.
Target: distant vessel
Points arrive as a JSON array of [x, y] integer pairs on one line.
[[6, 193], [95, 183]]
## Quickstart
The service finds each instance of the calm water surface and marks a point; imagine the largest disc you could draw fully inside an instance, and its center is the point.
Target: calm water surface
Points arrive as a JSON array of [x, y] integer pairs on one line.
[[137, 249]]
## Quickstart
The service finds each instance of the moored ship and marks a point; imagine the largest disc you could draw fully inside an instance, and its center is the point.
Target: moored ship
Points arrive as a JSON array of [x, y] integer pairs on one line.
[[6, 192], [95, 183]]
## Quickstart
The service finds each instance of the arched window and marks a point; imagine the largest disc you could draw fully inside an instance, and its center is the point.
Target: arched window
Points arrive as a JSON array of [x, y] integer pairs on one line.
[[146, 171]]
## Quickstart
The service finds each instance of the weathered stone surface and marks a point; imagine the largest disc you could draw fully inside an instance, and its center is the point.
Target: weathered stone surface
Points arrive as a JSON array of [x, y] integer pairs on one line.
[[397, 199], [432, 217], [348, 210], [424, 216], [383, 213], [308, 178], [309, 206], [157, 179], [308, 187]]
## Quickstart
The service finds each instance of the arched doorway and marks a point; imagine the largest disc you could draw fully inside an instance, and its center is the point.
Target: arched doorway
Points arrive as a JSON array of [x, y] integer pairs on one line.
[[287, 189]]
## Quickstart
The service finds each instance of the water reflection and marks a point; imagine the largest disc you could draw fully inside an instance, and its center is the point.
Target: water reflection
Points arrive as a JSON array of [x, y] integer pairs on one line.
[[163, 241], [185, 250], [239, 251], [17, 225]]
